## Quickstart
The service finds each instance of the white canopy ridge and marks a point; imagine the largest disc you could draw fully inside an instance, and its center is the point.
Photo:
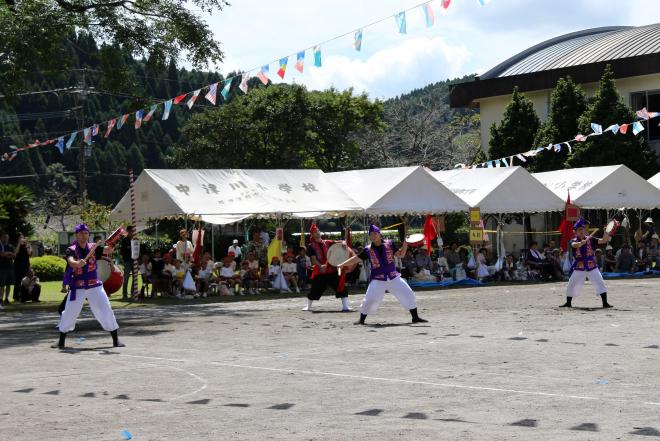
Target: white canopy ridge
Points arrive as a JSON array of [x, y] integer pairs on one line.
[[398, 190], [655, 180], [607, 187], [500, 190]]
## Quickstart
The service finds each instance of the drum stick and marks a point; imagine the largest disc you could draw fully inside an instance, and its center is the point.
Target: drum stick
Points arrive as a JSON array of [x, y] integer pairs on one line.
[[92, 249]]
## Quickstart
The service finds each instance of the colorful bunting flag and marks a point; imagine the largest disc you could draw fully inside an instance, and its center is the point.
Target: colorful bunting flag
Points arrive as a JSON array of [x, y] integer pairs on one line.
[[557, 148], [150, 115], [87, 135], [580, 138], [244, 83], [111, 125], [226, 89], [122, 121], [637, 127], [483, 2], [263, 74], [490, 164], [317, 56], [549, 147], [213, 91], [597, 128], [445, 3], [357, 40], [428, 15], [138, 118], [624, 128], [643, 113], [521, 157], [300, 61], [614, 128], [167, 109], [193, 98], [180, 98], [60, 144], [400, 19], [505, 162], [568, 145], [282, 70], [69, 143], [95, 130]]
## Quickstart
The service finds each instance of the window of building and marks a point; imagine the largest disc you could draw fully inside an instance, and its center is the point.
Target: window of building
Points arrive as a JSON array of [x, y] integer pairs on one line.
[[650, 100]]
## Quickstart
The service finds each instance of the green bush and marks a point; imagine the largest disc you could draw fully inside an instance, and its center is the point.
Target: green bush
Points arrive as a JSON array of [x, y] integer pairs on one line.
[[48, 268]]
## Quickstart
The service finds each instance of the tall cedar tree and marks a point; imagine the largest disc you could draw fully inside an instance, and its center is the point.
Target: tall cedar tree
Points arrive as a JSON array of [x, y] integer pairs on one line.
[[607, 108], [517, 130], [567, 103]]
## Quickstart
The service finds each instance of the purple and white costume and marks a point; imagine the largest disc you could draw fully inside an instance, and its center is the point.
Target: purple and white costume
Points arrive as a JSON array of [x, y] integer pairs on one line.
[[584, 266], [385, 277]]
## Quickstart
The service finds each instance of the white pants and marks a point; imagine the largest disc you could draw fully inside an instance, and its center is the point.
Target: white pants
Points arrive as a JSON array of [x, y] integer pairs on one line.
[[577, 280], [376, 291], [98, 302]]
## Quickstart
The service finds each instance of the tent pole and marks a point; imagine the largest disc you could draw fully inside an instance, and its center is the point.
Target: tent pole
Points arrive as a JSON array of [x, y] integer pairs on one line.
[[213, 242]]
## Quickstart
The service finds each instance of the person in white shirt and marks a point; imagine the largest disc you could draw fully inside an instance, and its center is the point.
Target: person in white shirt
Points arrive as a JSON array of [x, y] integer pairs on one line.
[[145, 274], [290, 271], [265, 238], [204, 274], [227, 275], [184, 248], [234, 248]]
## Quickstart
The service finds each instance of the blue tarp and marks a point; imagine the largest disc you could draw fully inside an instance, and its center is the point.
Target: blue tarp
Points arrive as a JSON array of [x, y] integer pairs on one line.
[[629, 275], [464, 282]]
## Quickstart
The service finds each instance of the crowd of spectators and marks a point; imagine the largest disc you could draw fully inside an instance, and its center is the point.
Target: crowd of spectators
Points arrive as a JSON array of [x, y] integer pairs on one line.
[[15, 272]]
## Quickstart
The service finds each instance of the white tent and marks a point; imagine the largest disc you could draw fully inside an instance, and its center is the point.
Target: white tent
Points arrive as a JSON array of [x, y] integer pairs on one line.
[[398, 190], [655, 180], [228, 196], [608, 187], [500, 190]]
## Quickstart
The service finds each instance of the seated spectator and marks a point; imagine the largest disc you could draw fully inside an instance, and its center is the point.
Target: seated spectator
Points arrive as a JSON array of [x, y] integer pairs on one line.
[[535, 260], [482, 264], [303, 266], [409, 268], [609, 260], [145, 272], [443, 267], [423, 260], [159, 279], [290, 271], [228, 277], [509, 269], [452, 256], [625, 263], [205, 274], [179, 274], [247, 282], [600, 259], [554, 265], [642, 259], [654, 251], [275, 276], [255, 271], [30, 287]]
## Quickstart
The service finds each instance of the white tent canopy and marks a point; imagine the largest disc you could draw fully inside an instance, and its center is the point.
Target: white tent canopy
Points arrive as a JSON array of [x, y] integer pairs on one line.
[[655, 180], [500, 190], [398, 190], [608, 187], [228, 196]]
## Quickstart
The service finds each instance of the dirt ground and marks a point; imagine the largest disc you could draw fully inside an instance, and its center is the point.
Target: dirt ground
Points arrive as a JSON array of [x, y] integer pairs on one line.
[[493, 363]]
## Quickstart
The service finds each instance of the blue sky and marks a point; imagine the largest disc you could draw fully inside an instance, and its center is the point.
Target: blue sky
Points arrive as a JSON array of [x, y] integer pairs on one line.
[[467, 38]]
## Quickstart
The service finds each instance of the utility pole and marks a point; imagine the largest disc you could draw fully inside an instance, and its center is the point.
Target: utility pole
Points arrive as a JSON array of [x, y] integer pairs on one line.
[[80, 96]]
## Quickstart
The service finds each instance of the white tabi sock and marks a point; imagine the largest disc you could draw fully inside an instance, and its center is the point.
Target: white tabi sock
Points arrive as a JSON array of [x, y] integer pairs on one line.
[[344, 303]]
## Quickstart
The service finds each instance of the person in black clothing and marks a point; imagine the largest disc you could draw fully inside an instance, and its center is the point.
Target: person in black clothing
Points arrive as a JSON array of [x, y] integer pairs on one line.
[[21, 264], [125, 250], [7, 254]]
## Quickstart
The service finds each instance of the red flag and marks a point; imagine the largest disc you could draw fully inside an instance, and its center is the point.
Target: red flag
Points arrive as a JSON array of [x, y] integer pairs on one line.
[[197, 252], [180, 98], [430, 233], [565, 227]]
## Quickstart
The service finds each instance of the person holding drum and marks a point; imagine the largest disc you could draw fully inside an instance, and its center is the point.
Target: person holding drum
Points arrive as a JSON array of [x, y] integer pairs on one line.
[[584, 264], [324, 275], [384, 276], [84, 282]]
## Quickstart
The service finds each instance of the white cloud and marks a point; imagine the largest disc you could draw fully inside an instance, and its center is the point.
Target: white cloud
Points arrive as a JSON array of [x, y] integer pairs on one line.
[[413, 63]]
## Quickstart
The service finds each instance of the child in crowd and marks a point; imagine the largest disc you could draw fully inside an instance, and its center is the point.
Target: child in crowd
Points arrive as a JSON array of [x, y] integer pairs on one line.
[[303, 265], [228, 276], [290, 271], [145, 271], [247, 280], [179, 274]]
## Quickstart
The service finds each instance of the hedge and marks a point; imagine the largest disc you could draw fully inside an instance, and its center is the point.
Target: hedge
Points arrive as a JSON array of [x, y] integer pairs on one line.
[[48, 268]]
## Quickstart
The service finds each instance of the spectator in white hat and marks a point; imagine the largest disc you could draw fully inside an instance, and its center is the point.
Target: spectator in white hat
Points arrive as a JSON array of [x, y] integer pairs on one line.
[[648, 230], [234, 248]]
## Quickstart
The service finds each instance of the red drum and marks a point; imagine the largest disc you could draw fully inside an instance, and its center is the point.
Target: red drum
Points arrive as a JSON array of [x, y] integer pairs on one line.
[[111, 276], [612, 226], [415, 240], [338, 254]]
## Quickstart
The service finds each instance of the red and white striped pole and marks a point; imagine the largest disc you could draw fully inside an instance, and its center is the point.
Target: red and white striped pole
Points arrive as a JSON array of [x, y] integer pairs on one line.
[[134, 285]]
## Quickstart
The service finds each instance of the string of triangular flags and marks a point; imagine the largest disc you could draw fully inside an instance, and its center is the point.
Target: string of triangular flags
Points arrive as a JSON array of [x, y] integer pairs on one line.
[[597, 130], [189, 98]]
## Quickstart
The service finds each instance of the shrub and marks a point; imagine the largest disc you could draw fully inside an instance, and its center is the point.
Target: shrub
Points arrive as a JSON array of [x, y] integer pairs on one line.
[[48, 268]]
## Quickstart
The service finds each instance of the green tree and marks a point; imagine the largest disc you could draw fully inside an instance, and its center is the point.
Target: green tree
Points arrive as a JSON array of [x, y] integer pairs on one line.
[[280, 126], [567, 104], [156, 30], [605, 109], [15, 204], [517, 130], [60, 194]]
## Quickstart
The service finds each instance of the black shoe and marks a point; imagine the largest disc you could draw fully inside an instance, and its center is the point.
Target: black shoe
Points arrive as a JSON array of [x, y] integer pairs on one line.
[[566, 305], [419, 320], [607, 305]]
